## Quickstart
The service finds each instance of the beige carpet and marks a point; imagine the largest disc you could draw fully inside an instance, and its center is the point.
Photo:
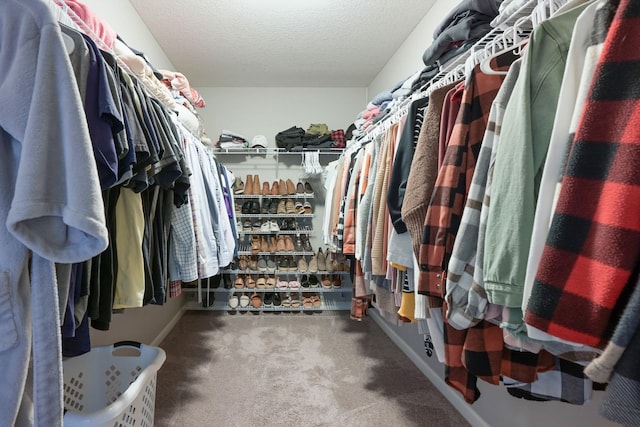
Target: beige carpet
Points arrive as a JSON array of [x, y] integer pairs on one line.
[[291, 370]]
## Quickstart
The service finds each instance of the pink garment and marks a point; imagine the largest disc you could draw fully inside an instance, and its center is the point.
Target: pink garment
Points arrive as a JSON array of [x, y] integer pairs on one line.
[[180, 83], [371, 113], [89, 19]]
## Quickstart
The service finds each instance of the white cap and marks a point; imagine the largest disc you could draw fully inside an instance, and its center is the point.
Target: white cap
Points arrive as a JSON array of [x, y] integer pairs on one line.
[[259, 141]]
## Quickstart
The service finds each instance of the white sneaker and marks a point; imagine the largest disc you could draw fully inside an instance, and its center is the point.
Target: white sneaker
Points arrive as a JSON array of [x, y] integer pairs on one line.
[[273, 226], [266, 226]]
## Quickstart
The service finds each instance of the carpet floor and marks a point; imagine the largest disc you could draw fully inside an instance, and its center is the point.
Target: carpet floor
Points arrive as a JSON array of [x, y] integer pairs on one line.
[[295, 370]]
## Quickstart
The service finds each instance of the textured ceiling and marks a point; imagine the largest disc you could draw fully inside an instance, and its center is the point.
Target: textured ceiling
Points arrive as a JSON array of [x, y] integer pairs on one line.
[[284, 43]]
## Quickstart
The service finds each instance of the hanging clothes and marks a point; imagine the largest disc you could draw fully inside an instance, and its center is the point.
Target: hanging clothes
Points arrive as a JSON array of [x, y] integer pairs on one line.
[[466, 300], [593, 231], [50, 203]]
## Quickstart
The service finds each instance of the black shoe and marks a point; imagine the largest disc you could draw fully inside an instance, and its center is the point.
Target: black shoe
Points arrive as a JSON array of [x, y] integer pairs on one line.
[[246, 207], [276, 300], [283, 263], [268, 299], [214, 281], [273, 207], [227, 281], [313, 281], [254, 207], [304, 281], [265, 207]]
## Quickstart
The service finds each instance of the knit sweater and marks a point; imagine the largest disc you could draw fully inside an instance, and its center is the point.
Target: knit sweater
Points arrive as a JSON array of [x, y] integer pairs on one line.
[[424, 168], [380, 212]]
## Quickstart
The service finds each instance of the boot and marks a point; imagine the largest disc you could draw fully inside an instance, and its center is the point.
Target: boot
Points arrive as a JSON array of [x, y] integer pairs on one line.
[[255, 244], [256, 185], [264, 244], [289, 246], [357, 309], [282, 188], [265, 189], [274, 188], [322, 265], [291, 188], [273, 246], [248, 186]]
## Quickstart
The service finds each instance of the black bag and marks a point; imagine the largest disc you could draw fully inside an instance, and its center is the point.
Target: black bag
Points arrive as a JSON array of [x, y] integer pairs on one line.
[[289, 138]]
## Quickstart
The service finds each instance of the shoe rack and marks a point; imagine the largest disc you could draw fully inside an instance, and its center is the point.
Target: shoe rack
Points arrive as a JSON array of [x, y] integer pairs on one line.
[[277, 269]]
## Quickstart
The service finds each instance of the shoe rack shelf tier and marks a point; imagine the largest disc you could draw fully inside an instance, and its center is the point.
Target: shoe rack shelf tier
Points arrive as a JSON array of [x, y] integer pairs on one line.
[[276, 253], [268, 196], [283, 272], [290, 216], [329, 303], [272, 290], [291, 232]]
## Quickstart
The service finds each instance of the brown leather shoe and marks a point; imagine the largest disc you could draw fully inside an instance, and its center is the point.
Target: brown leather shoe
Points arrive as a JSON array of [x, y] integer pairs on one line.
[[357, 309], [273, 245], [265, 189], [248, 186], [274, 188], [282, 188], [264, 244], [256, 185], [288, 242], [281, 245], [291, 188], [255, 244]]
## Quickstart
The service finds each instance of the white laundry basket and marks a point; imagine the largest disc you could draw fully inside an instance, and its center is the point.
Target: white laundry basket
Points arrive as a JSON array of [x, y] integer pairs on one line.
[[112, 386]]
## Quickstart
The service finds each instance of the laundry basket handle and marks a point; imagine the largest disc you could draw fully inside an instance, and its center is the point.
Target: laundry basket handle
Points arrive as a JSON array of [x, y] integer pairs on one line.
[[127, 344]]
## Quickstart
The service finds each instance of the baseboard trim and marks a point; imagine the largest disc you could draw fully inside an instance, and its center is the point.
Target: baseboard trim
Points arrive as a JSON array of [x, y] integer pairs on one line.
[[168, 327], [452, 396]]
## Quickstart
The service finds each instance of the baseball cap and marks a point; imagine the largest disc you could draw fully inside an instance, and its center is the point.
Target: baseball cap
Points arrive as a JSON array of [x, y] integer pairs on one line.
[[259, 141]]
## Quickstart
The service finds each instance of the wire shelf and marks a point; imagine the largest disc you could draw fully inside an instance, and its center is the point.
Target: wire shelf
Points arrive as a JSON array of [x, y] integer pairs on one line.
[[275, 196]]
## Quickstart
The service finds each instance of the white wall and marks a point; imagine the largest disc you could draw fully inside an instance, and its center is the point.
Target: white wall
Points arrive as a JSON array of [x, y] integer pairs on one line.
[[495, 406], [268, 110], [149, 323]]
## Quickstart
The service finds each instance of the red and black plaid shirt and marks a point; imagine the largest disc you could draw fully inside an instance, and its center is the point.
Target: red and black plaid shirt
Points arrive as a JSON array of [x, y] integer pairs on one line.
[[454, 177], [337, 136], [593, 245]]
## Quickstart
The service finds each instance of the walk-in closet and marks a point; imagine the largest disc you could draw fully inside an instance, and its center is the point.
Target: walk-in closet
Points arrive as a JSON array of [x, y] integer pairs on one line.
[[324, 213]]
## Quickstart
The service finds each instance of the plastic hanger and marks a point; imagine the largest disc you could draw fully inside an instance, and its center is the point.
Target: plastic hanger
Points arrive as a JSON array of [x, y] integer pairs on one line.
[[511, 41]]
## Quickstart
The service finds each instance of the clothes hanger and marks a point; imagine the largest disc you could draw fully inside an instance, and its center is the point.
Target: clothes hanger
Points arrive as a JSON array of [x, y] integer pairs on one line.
[[510, 40], [316, 157], [63, 18]]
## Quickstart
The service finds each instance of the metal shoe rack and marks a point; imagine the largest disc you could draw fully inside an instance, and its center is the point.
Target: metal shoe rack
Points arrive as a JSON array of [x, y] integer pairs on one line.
[[218, 298]]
